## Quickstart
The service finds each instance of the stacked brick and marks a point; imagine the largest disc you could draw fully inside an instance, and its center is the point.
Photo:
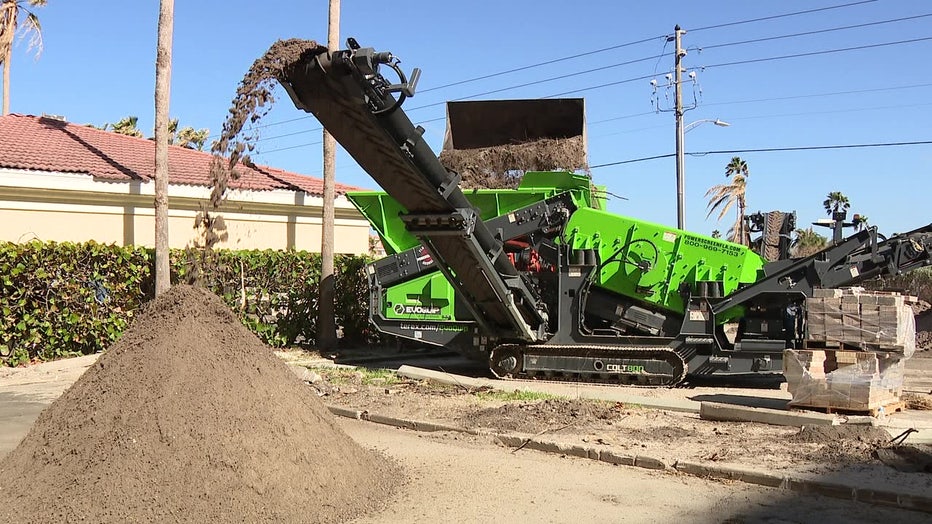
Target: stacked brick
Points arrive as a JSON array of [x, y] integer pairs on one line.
[[863, 381], [880, 325], [868, 320]]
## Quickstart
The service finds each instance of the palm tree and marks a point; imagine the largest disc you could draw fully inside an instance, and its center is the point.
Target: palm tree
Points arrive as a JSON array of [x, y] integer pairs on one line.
[[808, 242], [723, 196], [192, 139], [836, 201], [10, 11], [163, 75], [860, 222], [126, 126]]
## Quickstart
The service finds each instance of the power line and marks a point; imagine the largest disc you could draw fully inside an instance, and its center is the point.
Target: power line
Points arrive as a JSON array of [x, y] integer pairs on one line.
[[600, 50], [810, 148], [765, 150], [641, 41], [814, 53], [486, 93], [815, 95], [831, 111], [289, 147], [600, 86], [541, 81], [758, 100], [623, 117], [540, 64], [815, 32], [773, 115], [773, 17]]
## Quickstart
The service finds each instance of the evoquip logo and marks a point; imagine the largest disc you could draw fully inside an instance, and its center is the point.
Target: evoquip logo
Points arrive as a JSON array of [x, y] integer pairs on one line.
[[401, 309]]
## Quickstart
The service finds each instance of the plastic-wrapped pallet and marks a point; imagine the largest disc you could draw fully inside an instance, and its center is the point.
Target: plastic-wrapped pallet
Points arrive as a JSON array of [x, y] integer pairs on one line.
[[847, 380], [870, 320]]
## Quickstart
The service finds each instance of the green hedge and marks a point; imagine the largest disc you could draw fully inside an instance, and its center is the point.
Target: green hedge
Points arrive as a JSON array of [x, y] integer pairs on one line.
[[64, 299]]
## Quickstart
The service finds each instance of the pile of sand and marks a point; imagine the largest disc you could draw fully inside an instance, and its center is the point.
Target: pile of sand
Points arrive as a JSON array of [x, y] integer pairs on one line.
[[189, 418]]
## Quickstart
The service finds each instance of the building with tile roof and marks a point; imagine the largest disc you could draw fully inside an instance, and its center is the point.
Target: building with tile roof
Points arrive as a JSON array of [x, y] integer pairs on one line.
[[67, 182]]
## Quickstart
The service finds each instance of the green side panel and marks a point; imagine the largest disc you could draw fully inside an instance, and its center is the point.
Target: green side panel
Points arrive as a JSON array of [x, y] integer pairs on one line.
[[649, 262], [383, 211], [428, 297]]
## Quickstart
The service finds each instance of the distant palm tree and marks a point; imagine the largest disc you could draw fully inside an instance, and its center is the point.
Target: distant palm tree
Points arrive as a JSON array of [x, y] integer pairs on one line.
[[192, 139], [10, 11], [723, 196], [860, 222], [808, 242], [836, 201], [126, 126]]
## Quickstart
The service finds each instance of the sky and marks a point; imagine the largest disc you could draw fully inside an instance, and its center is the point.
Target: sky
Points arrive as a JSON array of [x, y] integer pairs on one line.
[[847, 73]]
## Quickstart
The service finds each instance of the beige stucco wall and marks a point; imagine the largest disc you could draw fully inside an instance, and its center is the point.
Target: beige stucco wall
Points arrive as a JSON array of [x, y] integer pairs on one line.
[[68, 207]]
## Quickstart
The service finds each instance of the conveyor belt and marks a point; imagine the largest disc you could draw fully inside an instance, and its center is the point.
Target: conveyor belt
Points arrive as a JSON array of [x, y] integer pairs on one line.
[[387, 145], [333, 96]]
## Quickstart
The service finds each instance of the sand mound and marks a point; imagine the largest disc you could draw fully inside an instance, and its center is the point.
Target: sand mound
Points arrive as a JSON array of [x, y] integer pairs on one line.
[[189, 418]]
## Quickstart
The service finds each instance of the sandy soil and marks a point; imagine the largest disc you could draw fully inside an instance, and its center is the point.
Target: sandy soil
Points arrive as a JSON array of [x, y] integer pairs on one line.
[[476, 479], [848, 451], [457, 478]]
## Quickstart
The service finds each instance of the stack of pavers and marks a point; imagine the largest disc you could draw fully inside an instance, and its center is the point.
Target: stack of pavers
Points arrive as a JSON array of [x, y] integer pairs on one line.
[[858, 318], [881, 330]]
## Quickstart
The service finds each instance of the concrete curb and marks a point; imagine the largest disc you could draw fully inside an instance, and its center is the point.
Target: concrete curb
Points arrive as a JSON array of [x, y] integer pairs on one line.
[[696, 469], [731, 412]]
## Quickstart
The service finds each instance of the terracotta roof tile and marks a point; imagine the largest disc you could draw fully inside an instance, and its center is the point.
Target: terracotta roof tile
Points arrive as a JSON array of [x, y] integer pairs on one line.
[[47, 144]]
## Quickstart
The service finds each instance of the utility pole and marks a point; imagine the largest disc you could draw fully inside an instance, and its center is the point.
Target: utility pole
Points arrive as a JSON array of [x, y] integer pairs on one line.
[[680, 131], [326, 321]]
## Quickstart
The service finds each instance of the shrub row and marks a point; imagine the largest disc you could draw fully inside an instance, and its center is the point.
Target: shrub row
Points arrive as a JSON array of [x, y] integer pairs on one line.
[[64, 299]]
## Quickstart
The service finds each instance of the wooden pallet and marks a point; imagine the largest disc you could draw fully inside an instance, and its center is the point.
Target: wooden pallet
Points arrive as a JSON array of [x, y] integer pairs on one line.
[[888, 408], [830, 345]]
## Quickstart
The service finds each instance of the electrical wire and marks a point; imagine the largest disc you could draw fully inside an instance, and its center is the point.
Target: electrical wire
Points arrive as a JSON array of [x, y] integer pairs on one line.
[[540, 64], [774, 17], [815, 32], [814, 53], [754, 60], [815, 95], [647, 113], [765, 150], [538, 82], [592, 52]]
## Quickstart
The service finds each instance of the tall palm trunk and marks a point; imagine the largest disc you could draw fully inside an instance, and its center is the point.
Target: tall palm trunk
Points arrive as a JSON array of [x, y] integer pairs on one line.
[[326, 320], [8, 14], [11, 21], [6, 84], [163, 74]]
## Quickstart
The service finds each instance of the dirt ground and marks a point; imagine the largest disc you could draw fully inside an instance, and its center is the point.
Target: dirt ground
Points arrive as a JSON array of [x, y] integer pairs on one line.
[[847, 450], [478, 479]]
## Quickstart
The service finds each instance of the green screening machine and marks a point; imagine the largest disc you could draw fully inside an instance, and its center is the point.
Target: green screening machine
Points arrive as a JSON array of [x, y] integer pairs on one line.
[[541, 281]]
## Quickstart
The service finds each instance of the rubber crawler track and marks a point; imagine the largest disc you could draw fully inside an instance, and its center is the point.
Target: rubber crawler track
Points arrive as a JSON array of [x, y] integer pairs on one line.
[[667, 355]]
